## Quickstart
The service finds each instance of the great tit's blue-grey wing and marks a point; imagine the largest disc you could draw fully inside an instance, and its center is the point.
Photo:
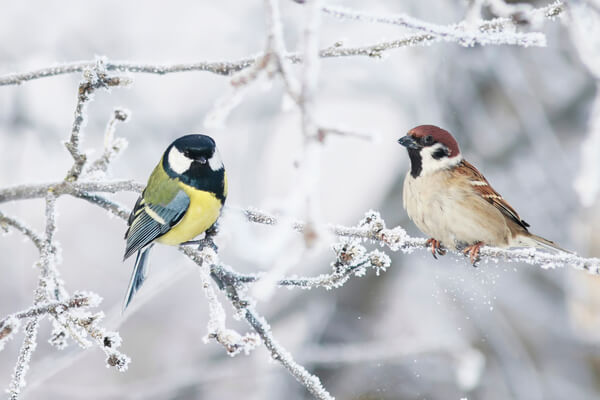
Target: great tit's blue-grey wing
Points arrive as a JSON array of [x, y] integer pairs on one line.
[[149, 221]]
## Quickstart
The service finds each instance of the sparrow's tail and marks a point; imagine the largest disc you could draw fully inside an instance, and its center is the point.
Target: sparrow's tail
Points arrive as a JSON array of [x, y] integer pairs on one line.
[[540, 242], [140, 271]]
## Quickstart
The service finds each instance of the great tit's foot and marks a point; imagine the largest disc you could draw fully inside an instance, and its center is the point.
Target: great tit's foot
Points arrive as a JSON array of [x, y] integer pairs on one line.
[[212, 231], [436, 247], [473, 252], [202, 243], [207, 242]]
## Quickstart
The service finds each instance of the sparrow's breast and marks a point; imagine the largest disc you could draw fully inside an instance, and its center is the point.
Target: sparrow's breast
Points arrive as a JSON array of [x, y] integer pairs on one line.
[[452, 213]]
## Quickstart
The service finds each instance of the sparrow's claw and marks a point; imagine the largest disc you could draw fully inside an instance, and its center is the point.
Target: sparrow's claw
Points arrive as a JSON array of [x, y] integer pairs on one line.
[[473, 252], [436, 247]]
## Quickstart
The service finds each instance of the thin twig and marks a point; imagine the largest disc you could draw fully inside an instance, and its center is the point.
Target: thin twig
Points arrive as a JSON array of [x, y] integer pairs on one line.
[[235, 291], [227, 68], [72, 188], [112, 146], [6, 221], [27, 348], [94, 79], [78, 300], [459, 33]]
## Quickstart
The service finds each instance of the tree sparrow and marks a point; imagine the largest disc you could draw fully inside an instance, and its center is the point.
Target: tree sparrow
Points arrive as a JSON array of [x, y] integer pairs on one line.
[[452, 202]]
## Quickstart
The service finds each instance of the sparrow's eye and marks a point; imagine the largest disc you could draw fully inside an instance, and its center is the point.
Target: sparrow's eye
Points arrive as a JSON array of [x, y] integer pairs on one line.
[[428, 140]]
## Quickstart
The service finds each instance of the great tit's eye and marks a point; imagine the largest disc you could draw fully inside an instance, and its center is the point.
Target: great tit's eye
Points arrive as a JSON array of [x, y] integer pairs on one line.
[[428, 140], [201, 160]]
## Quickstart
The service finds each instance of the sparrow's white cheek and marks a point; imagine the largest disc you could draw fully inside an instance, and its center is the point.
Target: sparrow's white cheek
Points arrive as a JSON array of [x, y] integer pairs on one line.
[[215, 162], [430, 164], [178, 162]]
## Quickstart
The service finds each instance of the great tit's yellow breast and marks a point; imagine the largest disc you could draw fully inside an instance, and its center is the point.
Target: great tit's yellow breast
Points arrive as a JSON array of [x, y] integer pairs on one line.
[[203, 211]]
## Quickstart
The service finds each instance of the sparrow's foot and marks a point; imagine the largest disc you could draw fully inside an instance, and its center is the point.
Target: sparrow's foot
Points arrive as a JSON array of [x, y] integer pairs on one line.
[[436, 247], [473, 252]]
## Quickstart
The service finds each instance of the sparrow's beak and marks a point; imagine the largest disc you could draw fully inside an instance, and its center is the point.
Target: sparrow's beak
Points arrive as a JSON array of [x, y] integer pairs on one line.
[[409, 142]]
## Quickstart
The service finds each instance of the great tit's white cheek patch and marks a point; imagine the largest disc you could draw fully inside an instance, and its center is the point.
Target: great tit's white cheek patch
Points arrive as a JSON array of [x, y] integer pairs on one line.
[[178, 161], [215, 162]]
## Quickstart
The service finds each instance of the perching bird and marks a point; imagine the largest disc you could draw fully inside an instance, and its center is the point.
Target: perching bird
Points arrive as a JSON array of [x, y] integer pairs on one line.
[[182, 199], [452, 202]]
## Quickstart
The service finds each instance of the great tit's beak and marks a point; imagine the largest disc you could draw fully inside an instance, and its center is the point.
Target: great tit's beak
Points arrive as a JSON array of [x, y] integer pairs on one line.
[[409, 142]]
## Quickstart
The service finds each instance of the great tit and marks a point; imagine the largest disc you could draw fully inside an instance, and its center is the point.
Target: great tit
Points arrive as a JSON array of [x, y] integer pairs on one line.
[[183, 198]]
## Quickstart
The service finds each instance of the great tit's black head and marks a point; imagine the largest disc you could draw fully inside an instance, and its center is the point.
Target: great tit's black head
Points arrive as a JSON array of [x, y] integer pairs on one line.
[[195, 160], [192, 154], [430, 148]]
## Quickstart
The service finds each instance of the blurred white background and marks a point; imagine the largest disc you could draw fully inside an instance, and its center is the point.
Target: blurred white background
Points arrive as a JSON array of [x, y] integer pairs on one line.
[[425, 329]]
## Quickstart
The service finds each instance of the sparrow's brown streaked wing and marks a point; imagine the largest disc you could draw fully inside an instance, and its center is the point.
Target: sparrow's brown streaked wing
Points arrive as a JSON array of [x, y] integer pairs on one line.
[[483, 188]]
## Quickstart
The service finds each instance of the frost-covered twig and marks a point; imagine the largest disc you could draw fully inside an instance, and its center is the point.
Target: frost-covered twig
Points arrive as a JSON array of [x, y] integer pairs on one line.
[[27, 348], [94, 78], [227, 68], [78, 300], [35, 191], [112, 146], [217, 67], [273, 62], [47, 278], [233, 342], [6, 222], [51, 299], [373, 228], [351, 259], [235, 290], [460, 33], [276, 48]]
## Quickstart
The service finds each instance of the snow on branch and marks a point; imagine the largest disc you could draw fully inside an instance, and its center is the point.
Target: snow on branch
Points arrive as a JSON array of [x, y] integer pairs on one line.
[[500, 31], [236, 290], [490, 28], [112, 146], [71, 316], [94, 79], [8, 222], [372, 228]]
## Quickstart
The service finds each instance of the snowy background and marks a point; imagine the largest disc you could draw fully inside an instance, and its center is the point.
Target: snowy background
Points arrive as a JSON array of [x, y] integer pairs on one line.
[[425, 329]]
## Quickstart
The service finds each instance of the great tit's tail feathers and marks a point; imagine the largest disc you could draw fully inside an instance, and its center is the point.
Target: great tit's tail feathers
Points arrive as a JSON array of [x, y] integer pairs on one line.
[[138, 276]]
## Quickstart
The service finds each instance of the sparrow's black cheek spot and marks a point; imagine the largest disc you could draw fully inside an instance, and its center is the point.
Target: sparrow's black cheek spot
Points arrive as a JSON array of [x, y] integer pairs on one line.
[[440, 153]]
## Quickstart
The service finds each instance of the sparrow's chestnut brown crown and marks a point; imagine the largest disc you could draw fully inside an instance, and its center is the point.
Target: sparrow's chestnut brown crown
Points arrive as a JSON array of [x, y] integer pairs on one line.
[[427, 135]]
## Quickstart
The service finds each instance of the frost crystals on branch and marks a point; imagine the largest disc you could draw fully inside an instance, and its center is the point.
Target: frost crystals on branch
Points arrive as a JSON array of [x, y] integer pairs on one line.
[[494, 32], [94, 79]]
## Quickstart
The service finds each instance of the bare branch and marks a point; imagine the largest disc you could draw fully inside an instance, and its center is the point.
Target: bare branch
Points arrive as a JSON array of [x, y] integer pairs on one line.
[[460, 33], [6, 221], [22, 192], [78, 300], [235, 291], [94, 79], [112, 146], [276, 48], [227, 68], [218, 67], [372, 228], [27, 348]]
